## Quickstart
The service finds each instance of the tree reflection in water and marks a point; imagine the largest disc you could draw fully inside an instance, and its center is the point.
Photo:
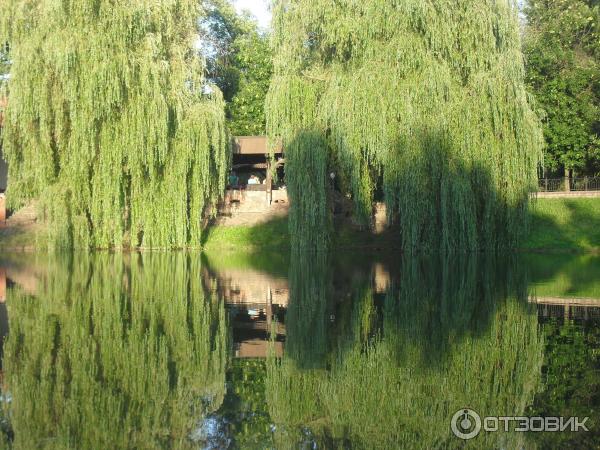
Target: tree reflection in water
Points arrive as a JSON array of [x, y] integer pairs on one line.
[[114, 351], [129, 351], [451, 333]]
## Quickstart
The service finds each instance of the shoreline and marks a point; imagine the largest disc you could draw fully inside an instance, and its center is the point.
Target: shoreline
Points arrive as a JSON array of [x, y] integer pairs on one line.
[[558, 226]]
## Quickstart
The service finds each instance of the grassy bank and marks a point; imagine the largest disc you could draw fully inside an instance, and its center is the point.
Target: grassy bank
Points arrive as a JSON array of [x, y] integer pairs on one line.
[[559, 225], [271, 235], [275, 235], [565, 225]]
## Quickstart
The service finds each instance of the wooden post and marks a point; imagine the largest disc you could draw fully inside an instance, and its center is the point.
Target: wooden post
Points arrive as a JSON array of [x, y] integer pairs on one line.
[[269, 182], [269, 308]]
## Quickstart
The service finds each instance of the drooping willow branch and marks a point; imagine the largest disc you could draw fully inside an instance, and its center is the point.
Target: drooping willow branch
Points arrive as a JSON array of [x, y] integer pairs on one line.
[[110, 123], [423, 100]]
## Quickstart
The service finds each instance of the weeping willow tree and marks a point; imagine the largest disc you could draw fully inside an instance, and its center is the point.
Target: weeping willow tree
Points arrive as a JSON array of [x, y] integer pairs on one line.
[[110, 123], [448, 337], [114, 352], [423, 100]]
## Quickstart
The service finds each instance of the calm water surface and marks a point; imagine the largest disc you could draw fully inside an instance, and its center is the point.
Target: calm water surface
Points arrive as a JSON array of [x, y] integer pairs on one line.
[[176, 350]]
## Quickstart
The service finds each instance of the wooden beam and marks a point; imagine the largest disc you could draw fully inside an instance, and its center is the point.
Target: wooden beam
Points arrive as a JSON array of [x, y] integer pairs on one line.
[[250, 166], [280, 162], [252, 145], [269, 183]]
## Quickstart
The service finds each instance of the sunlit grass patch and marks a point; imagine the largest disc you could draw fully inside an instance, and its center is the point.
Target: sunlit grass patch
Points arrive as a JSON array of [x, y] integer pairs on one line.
[[565, 224]]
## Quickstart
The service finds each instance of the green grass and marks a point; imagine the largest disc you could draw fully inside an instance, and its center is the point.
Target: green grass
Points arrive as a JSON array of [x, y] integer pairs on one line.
[[275, 235], [556, 225], [271, 235], [561, 225], [565, 225]]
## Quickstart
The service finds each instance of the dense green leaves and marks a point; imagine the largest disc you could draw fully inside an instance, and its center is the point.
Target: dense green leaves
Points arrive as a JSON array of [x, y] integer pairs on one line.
[[110, 123], [239, 61], [424, 99], [571, 369], [562, 47], [246, 110], [220, 27]]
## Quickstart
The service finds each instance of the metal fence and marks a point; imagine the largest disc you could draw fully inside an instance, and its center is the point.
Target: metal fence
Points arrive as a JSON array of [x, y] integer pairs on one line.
[[574, 184]]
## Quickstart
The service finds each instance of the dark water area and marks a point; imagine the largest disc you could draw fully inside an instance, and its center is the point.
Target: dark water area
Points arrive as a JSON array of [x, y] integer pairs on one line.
[[253, 351]]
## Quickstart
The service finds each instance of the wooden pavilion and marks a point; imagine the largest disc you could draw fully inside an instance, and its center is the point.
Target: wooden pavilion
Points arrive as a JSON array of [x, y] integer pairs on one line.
[[252, 153]]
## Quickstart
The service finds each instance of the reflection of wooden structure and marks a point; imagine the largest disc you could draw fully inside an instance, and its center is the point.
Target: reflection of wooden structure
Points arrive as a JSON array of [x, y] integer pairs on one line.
[[381, 278], [257, 302], [251, 287], [258, 348], [26, 274], [594, 302], [256, 327], [568, 308]]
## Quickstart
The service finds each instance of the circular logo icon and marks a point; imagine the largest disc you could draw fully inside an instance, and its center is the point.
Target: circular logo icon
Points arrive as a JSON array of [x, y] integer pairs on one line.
[[466, 424]]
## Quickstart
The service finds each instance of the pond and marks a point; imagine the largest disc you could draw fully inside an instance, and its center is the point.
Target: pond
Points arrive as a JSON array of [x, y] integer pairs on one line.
[[353, 350]]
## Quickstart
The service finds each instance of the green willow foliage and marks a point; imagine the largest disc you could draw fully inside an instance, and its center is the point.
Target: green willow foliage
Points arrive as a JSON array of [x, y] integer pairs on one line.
[[309, 283], [448, 335], [422, 99], [114, 352], [109, 121]]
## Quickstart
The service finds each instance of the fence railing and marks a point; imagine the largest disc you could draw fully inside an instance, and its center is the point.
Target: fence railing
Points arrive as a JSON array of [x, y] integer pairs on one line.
[[571, 184]]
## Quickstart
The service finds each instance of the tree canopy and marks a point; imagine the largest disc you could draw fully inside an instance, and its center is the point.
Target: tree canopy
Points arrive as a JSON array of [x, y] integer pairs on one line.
[[239, 61], [246, 110], [562, 47], [110, 122], [425, 100]]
